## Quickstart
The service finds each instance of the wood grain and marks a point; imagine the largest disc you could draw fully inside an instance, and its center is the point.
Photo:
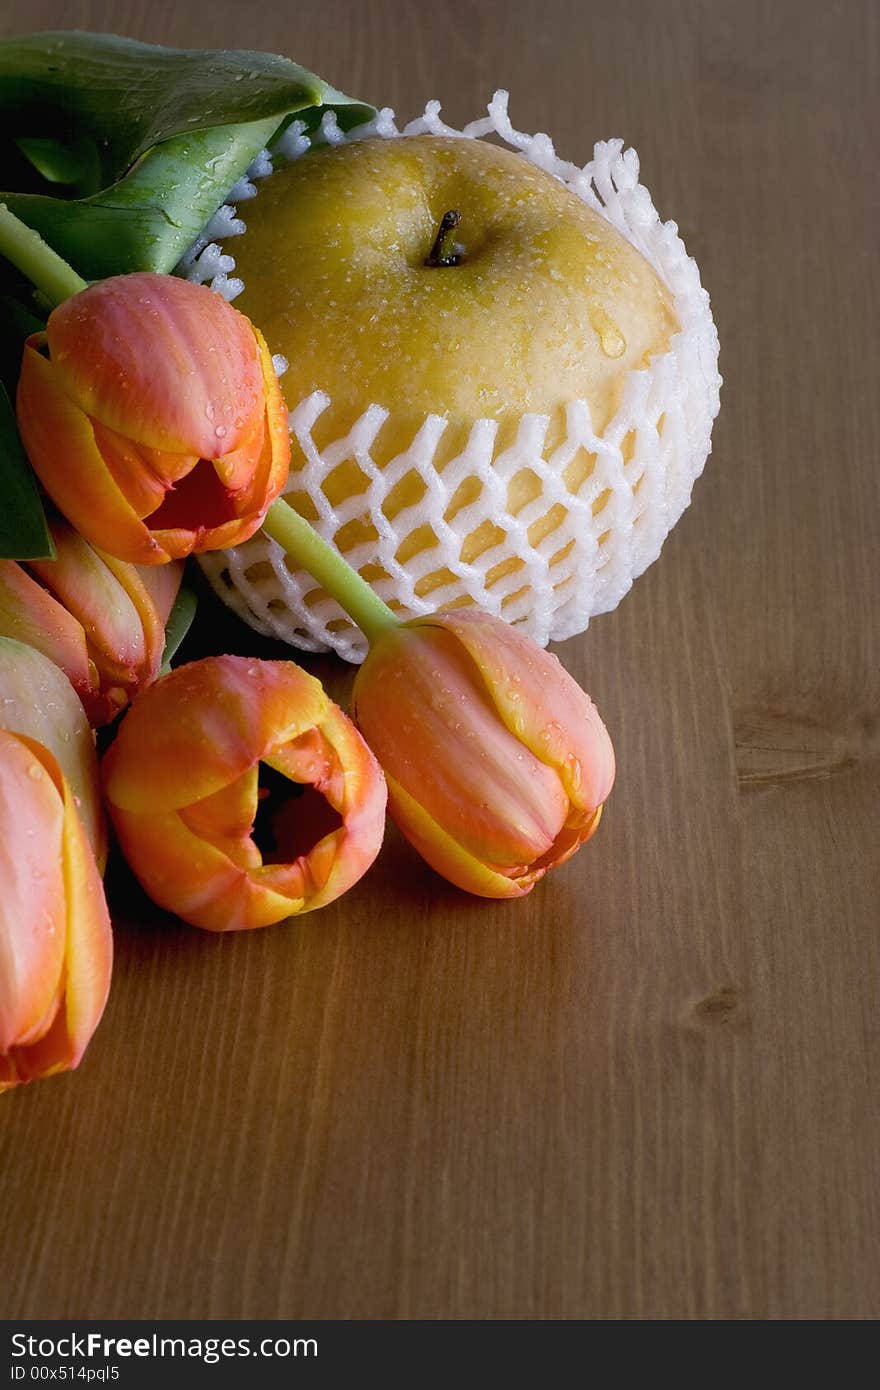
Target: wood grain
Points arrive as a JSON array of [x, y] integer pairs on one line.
[[649, 1090]]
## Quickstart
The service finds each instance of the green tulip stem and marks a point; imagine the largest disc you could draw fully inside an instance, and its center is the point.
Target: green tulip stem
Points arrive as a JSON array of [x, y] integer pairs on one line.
[[311, 552], [30, 254]]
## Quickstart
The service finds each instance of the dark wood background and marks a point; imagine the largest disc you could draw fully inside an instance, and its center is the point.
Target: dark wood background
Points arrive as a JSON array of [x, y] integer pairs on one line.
[[650, 1089]]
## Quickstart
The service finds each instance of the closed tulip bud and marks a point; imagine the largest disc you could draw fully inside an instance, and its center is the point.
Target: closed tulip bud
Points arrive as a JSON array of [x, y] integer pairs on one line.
[[55, 938], [38, 702], [152, 414], [241, 795], [100, 619], [497, 763]]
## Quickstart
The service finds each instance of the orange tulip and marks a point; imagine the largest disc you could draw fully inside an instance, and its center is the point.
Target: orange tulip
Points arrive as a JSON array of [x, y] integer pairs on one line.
[[55, 938], [101, 620], [194, 758], [37, 701], [151, 412], [496, 761]]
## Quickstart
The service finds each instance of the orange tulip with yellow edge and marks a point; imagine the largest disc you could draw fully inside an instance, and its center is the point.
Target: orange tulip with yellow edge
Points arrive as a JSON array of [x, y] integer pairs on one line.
[[151, 412], [497, 762], [197, 756], [100, 619], [55, 939]]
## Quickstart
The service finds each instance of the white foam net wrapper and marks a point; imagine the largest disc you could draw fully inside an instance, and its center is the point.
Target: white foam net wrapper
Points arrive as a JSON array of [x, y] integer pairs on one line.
[[644, 463]]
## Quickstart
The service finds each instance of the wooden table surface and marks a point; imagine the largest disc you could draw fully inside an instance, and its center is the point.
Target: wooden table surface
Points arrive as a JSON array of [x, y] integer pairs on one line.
[[650, 1089]]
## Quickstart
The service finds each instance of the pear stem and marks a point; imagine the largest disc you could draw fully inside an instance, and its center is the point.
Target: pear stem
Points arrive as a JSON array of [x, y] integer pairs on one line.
[[30, 254], [443, 251], [310, 551]]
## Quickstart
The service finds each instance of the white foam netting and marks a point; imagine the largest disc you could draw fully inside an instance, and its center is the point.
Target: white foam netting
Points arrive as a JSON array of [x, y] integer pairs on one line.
[[644, 463]]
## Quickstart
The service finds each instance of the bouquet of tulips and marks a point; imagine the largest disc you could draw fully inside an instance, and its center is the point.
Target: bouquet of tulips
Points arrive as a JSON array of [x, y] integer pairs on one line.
[[150, 425]]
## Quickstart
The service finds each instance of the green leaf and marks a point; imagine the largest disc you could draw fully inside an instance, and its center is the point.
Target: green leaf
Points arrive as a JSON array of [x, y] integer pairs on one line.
[[23, 531], [74, 165], [153, 215], [127, 96], [168, 132], [179, 623], [19, 322]]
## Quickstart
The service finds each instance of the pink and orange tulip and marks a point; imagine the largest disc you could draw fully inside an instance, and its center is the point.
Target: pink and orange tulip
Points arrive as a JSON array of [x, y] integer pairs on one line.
[[183, 787], [497, 763], [37, 701], [55, 938], [101, 620], [152, 414]]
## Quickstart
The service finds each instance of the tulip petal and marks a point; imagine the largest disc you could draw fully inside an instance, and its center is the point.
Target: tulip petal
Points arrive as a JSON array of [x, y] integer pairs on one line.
[[229, 517], [336, 760], [168, 467], [193, 878], [207, 728], [355, 787], [196, 507], [32, 903], [152, 591], [582, 828], [450, 859], [276, 451], [225, 519], [236, 470], [125, 462], [169, 364], [181, 541], [423, 709], [307, 759], [31, 615], [162, 584], [153, 417], [226, 819], [60, 443], [38, 701], [88, 948], [89, 589], [204, 725], [89, 940], [108, 605], [540, 703]]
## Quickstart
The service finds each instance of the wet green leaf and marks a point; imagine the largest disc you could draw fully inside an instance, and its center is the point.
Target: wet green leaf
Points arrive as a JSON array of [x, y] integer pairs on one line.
[[23, 531], [179, 623], [160, 134], [18, 321], [74, 165]]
